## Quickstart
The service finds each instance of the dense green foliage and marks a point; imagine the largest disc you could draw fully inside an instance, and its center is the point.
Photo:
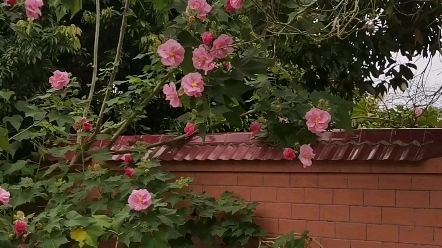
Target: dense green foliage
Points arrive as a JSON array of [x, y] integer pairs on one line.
[[371, 112], [294, 66]]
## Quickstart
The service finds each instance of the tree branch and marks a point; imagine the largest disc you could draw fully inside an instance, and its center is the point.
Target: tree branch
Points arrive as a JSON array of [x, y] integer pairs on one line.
[[114, 68], [180, 137], [95, 62], [134, 114], [123, 26]]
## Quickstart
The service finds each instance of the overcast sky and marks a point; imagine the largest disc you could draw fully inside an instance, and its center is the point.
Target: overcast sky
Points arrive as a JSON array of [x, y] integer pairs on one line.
[[427, 81]]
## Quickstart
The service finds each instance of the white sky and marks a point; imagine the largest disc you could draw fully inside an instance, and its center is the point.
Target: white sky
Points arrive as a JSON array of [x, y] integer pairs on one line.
[[421, 90]]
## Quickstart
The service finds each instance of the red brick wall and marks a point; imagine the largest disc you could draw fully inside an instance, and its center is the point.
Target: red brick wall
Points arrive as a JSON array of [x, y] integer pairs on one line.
[[343, 204]]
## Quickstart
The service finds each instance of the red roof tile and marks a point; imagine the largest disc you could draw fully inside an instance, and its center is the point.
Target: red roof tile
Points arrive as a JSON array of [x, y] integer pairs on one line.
[[368, 144]]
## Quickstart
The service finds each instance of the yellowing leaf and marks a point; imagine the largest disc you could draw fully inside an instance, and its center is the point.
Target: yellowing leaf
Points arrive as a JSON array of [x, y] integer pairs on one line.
[[78, 235]]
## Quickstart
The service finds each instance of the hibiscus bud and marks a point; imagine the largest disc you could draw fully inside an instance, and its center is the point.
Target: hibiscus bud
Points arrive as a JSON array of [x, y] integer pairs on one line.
[[96, 167], [289, 154], [229, 7], [276, 108], [227, 65], [189, 129], [418, 112], [255, 127], [20, 227], [207, 38], [128, 158], [129, 172], [38, 226], [19, 216], [22, 24], [262, 120], [11, 2]]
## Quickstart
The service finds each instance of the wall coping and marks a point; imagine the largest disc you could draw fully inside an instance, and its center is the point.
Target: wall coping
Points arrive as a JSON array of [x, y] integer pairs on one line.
[[336, 145], [362, 145]]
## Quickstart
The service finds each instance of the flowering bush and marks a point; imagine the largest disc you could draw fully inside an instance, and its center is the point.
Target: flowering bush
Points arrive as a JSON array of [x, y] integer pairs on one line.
[[206, 61]]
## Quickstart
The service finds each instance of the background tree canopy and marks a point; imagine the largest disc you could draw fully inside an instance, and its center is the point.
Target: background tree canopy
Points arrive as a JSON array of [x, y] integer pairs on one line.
[[367, 33]]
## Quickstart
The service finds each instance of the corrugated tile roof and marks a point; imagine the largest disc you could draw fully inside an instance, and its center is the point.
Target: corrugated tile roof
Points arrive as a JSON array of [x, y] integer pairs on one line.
[[366, 144]]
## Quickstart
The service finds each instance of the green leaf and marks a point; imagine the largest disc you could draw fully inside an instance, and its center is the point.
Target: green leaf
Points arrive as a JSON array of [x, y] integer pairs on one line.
[[219, 231], [17, 166], [156, 240], [72, 5], [187, 40], [56, 240], [102, 154], [4, 142], [119, 218], [6, 94], [14, 120], [74, 219], [63, 119], [233, 118], [93, 232], [34, 112], [187, 65], [159, 4], [248, 67], [103, 220], [51, 168], [220, 15]]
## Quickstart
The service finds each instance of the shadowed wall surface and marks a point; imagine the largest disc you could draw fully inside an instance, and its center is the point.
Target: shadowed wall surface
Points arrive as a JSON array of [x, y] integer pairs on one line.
[[344, 204]]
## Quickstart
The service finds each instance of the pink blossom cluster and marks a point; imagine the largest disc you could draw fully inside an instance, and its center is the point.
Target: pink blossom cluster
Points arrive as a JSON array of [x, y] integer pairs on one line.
[[204, 57], [305, 154], [317, 121], [83, 125]]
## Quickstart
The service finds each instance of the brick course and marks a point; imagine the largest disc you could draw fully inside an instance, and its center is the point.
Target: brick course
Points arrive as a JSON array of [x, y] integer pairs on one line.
[[344, 204]]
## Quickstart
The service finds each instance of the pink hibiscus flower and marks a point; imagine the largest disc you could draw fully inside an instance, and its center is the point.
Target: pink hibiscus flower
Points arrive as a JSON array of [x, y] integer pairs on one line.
[[140, 200], [193, 84], [59, 80], [202, 59], [317, 120], [306, 155], [200, 7], [171, 53], [172, 95], [222, 46]]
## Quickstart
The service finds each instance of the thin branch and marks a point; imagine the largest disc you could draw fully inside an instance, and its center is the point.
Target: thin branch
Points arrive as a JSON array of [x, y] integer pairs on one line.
[[134, 114], [180, 137], [95, 62], [24, 130], [114, 68], [86, 146]]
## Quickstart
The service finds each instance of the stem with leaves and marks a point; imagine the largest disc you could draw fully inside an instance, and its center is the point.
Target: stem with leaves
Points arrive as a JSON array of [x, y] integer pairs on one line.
[[114, 68], [95, 62], [134, 114], [123, 26]]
